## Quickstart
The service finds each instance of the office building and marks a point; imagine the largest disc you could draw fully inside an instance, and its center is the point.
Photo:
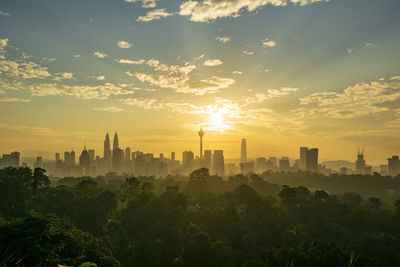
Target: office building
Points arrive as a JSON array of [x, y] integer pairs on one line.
[[218, 163], [243, 154]]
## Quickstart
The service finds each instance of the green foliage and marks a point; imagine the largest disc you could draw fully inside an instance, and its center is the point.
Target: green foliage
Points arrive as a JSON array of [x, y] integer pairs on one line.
[[200, 220]]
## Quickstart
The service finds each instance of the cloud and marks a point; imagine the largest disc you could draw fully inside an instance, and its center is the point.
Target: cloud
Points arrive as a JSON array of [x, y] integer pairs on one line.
[[100, 78], [270, 93], [177, 78], [249, 53], [3, 43], [109, 109], [2, 13], [267, 43], [81, 91], [223, 39], [64, 76], [145, 3], [209, 10], [237, 72], [13, 99], [130, 62], [100, 54], [23, 70], [266, 70], [349, 50], [76, 56], [49, 59], [212, 62], [124, 44], [154, 15], [358, 100], [369, 45]]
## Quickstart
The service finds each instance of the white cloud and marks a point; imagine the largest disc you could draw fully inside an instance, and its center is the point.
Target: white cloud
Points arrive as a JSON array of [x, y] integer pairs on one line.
[[109, 109], [130, 62], [145, 3], [369, 45], [358, 100], [223, 39], [14, 99], [2, 13], [212, 62], [76, 56], [266, 70], [270, 93], [177, 78], [100, 54], [3, 43], [100, 78], [154, 15], [268, 43], [49, 59], [349, 50], [23, 70], [204, 11], [81, 91], [124, 44], [64, 76], [237, 72], [249, 53]]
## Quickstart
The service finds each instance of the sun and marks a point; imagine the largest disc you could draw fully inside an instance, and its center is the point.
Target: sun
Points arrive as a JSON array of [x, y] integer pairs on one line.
[[218, 122]]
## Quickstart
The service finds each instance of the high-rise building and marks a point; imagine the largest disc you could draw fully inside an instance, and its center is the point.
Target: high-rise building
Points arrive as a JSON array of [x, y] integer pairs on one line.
[[39, 162], [284, 164], [127, 154], [10, 160], [117, 159], [91, 153], [161, 155], [243, 154], [187, 159], [173, 156], [84, 162], [116, 142], [58, 157], [360, 163], [69, 159], [201, 134], [218, 163], [107, 153], [261, 165], [303, 158], [312, 160], [394, 166], [207, 159]]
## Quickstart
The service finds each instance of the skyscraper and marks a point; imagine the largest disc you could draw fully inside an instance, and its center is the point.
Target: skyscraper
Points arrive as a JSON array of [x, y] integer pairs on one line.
[[127, 154], [360, 163], [84, 162], [107, 153], [243, 154], [394, 166], [218, 163], [187, 159], [201, 134], [207, 159], [115, 143], [312, 160], [303, 158], [173, 156]]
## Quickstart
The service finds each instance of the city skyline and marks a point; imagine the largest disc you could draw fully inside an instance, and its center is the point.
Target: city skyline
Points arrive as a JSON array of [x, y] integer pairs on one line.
[[281, 74]]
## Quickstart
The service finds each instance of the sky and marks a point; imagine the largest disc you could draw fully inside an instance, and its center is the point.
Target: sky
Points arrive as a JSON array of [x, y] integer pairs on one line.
[[280, 73]]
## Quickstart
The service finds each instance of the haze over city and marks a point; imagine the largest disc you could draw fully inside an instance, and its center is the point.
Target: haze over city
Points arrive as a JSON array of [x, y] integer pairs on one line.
[[282, 74]]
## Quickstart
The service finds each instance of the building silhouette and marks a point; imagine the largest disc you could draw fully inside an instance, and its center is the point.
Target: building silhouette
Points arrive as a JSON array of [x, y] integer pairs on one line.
[[107, 154], [394, 166], [218, 163], [243, 152], [312, 160], [188, 160], [201, 134], [10, 160], [303, 158], [284, 164], [84, 162], [115, 142], [172, 156], [360, 163], [207, 160]]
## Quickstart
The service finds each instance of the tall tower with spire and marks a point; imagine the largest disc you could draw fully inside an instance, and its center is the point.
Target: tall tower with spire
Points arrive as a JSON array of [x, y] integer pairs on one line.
[[201, 134], [116, 143], [107, 152]]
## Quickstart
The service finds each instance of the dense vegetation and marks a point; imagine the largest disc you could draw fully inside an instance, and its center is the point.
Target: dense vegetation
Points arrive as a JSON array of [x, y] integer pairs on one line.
[[200, 220]]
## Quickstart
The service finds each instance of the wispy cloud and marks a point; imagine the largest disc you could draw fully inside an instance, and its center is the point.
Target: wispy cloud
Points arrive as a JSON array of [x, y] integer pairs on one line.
[[64, 76], [154, 15], [23, 70], [249, 53], [267, 43], [109, 109], [145, 3], [14, 99], [223, 39], [100, 54], [130, 62], [212, 62], [124, 44], [2, 13]]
